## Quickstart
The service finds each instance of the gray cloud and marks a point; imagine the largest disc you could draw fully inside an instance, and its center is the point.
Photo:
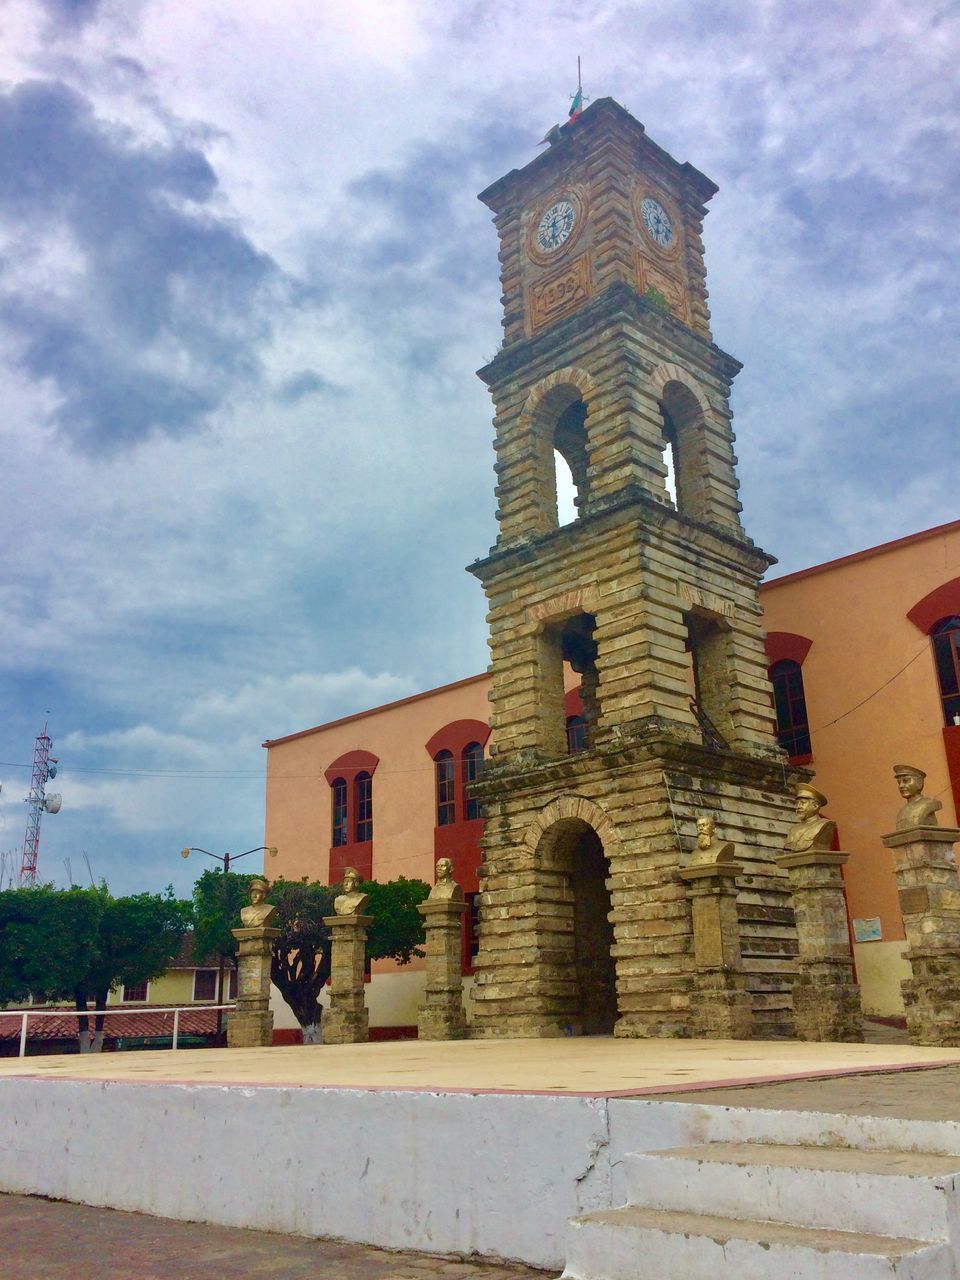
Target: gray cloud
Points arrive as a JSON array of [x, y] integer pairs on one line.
[[165, 300]]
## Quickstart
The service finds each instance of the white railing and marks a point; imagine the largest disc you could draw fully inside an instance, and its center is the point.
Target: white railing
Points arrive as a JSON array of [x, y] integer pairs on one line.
[[176, 1010]]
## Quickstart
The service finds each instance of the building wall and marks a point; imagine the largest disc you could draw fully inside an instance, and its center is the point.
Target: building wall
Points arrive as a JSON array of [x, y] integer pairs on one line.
[[855, 613]]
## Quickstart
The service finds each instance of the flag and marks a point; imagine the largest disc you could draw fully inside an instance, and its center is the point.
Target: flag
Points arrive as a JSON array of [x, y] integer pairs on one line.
[[576, 106]]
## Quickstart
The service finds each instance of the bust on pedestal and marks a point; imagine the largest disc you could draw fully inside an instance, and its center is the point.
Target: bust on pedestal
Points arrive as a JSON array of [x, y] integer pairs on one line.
[[251, 1023], [826, 1000], [926, 873], [347, 1019], [722, 1009], [441, 1016]]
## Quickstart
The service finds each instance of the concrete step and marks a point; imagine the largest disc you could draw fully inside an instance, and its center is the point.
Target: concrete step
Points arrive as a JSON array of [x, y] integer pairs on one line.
[[839, 1188], [655, 1244]]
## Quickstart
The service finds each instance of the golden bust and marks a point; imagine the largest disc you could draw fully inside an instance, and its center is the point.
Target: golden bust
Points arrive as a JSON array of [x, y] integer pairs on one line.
[[919, 810], [709, 849], [810, 831], [259, 912], [446, 888], [351, 902]]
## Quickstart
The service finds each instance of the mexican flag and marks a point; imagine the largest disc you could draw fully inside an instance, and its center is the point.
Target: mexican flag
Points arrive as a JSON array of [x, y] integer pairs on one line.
[[576, 106]]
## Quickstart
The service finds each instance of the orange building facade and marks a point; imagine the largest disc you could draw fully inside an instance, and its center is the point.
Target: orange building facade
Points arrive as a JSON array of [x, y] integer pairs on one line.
[[863, 655]]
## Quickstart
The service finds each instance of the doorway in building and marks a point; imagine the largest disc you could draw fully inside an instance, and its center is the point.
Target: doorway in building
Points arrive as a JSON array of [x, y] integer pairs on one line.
[[573, 851]]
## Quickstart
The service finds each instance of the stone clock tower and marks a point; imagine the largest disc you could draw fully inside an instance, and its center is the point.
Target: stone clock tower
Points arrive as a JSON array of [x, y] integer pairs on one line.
[[649, 597]]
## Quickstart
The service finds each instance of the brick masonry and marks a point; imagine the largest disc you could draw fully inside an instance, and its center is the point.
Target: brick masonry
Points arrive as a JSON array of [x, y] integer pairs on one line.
[[654, 600]]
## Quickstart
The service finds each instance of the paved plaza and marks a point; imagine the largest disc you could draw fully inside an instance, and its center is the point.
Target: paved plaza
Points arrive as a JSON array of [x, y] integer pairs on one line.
[[55, 1240]]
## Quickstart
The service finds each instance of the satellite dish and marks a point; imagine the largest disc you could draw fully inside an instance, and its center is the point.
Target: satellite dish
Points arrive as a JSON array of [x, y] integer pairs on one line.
[[51, 770], [52, 804]]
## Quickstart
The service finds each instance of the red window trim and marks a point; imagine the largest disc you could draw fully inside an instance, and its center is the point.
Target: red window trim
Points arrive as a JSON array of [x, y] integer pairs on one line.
[[459, 840], [783, 645], [354, 853], [942, 602]]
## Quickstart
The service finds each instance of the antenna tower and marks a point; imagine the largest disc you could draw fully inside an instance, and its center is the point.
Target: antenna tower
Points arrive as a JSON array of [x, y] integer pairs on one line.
[[44, 768]]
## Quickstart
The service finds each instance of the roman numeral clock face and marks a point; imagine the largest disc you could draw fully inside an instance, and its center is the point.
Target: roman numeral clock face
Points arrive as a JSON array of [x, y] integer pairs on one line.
[[657, 222], [555, 226]]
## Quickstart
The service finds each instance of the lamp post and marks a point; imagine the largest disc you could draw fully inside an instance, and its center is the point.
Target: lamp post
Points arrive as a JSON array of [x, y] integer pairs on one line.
[[227, 858]]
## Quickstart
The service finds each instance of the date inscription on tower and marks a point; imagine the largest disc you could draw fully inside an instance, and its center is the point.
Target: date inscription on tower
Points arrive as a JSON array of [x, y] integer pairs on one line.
[[554, 295]]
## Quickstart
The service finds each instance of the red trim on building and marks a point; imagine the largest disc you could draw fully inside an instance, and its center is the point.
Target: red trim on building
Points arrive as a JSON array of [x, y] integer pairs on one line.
[[355, 853], [456, 735], [786, 646], [385, 706], [572, 703], [949, 527], [942, 602]]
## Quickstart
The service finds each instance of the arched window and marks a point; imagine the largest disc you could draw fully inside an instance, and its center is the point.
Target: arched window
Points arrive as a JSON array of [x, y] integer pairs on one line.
[[576, 734], [446, 789], [364, 807], [339, 789], [946, 651], [793, 730], [472, 769]]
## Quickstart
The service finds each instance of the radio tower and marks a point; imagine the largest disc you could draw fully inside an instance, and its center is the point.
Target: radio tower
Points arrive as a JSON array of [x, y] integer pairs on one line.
[[44, 767]]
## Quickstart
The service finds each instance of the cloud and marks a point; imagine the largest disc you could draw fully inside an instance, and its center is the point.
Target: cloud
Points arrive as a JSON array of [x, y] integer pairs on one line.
[[166, 302]]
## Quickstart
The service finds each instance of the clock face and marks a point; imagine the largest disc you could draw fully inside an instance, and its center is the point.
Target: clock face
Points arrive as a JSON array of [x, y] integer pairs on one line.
[[555, 226], [657, 222]]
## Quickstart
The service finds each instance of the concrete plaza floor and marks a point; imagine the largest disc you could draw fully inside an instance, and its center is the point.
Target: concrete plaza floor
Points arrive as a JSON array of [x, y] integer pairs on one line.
[[584, 1066], [56, 1240]]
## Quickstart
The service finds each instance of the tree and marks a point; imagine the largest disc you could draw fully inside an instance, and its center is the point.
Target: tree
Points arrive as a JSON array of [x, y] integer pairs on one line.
[[56, 943], [137, 938], [47, 938], [300, 964], [218, 896]]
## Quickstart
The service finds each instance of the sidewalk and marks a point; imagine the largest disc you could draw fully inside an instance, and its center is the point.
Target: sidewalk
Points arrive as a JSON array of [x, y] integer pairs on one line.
[[56, 1240]]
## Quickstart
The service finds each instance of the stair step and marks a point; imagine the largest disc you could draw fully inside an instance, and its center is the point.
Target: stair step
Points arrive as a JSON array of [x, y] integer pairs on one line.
[[657, 1244], [834, 1188]]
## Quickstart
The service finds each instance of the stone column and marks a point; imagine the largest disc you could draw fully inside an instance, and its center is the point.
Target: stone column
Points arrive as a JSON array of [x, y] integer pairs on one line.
[[826, 1000], [251, 1024], [926, 874], [441, 1016], [345, 1022], [722, 1008]]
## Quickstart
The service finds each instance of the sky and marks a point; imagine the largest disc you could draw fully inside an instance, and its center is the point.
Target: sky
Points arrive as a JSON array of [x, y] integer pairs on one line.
[[245, 284]]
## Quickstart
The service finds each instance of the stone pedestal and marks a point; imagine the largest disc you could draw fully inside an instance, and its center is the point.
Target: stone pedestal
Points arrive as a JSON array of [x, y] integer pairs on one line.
[[345, 1022], [926, 875], [441, 1016], [721, 1009], [251, 1023], [826, 1000]]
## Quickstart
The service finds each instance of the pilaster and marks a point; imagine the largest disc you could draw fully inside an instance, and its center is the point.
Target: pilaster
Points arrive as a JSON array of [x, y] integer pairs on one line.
[[346, 1021], [251, 1024]]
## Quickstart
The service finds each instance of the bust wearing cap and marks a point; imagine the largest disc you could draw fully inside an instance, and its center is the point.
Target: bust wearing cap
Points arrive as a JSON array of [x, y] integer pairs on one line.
[[919, 810], [260, 912], [810, 831]]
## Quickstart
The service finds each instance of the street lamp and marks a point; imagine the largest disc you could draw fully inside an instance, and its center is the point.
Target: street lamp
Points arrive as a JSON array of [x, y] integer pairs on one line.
[[226, 858]]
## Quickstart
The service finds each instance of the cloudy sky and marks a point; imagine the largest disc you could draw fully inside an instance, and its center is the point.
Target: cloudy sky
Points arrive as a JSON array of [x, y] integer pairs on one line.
[[244, 287]]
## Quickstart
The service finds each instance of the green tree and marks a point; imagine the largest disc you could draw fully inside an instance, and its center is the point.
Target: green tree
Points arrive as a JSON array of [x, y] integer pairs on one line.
[[300, 964], [136, 939], [47, 937], [57, 943]]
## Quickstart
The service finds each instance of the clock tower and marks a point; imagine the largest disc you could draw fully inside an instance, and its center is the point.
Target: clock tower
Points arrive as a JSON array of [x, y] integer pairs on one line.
[[647, 602]]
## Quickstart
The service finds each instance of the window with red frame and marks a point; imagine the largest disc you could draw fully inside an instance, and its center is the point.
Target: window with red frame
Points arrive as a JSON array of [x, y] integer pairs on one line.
[[446, 788], [205, 984], [793, 730], [576, 734], [472, 769], [364, 806], [339, 790], [946, 651], [134, 991]]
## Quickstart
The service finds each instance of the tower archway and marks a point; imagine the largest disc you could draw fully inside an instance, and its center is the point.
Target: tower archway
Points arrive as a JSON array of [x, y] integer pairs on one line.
[[571, 853]]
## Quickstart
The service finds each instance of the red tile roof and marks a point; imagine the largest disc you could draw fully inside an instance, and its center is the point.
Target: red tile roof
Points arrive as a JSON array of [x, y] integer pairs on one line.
[[141, 1020]]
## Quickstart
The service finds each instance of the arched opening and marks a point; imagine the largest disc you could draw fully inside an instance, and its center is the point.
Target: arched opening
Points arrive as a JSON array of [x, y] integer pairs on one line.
[[946, 652], [562, 456], [573, 851], [681, 415], [578, 648]]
